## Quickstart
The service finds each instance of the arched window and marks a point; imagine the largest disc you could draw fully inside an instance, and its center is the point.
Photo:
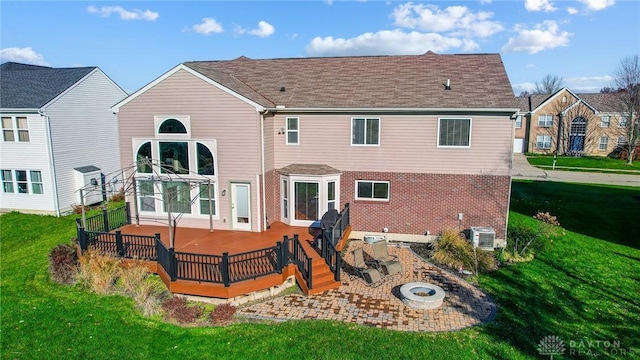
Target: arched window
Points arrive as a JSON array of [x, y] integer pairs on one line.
[[143, 158], [172, 126], [205, 160]]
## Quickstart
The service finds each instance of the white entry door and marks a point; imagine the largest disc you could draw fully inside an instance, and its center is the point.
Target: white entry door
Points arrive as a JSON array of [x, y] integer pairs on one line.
[[240, 206], [518, 145]]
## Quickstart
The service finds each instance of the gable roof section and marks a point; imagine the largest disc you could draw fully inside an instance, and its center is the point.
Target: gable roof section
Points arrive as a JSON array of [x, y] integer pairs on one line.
[[221, 77], [478, 81], [25, 86]]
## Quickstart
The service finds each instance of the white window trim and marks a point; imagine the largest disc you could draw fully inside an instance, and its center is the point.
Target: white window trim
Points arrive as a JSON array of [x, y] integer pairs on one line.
[[543, 147], [373, 182], [287, 130], [184, 119], [622, 140], [215, 199], [365, 130], [544, 125], [15, 129], [605, 124], [518, 122], [605, 143], [622, 121], [454, 146], [14, 181], [322, 181]]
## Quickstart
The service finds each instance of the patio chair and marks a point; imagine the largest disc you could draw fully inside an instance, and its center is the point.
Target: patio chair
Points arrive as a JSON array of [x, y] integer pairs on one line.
[[389, 264], [371, 276]]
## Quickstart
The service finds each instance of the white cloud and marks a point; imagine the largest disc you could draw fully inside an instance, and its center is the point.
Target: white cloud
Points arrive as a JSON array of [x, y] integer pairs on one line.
[[526, 86], [22, 55], [539, 5], [207, 26], [572, 10], [388, 42], [588, 83], [484, 2], [598, 5], [542, 37], [455, 20], [264, 29], [134, 14]]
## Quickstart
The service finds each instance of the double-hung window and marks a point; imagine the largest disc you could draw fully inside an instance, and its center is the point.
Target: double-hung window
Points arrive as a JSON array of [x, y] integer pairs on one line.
[[7, 181], [519, 122], [605, 121], [36, 182], [623, 121], [372, 190], [545, 120], [207, 199], [365, 131], [604, 142], [622, 140], [543, 141], [454, 133], [15, 128], [293, 131]]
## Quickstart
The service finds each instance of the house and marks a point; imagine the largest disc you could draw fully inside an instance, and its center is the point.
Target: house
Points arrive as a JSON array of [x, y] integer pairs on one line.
[[584, 123], [58, 135], [415, 144]]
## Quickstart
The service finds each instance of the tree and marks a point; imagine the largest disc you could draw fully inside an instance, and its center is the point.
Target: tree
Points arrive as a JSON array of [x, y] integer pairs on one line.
[[549, 85], [627, 79]]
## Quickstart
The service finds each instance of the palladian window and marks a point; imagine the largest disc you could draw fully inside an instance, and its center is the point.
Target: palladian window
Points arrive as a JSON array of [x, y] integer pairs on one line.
[[143, 158]]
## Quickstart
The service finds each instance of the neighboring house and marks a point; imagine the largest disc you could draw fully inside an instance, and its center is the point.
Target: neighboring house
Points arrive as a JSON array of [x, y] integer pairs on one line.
[[582, 122], [58, 133], [416, 144]]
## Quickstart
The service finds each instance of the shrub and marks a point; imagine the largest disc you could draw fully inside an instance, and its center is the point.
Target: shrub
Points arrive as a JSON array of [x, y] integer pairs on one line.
[[178, 308], [524, 241], [63, 263], [117, 197], [98, 272], [131, 275], [456, 253], [223, 314], [546, 218]]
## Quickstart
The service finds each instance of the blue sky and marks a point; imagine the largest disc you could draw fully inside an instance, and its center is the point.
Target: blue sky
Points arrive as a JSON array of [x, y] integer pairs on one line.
[[134, 42]]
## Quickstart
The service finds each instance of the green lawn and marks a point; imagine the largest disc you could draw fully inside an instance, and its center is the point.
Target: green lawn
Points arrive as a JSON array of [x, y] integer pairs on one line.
[[584, 286], [591, 162]]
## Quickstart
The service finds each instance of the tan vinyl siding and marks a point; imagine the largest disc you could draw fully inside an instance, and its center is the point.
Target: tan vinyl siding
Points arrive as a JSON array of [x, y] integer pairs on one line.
[[214, 114], [407, 144]]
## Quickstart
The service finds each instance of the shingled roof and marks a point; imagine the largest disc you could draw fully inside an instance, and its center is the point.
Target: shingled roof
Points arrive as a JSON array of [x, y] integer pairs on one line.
[[25, 86], [410, 81]]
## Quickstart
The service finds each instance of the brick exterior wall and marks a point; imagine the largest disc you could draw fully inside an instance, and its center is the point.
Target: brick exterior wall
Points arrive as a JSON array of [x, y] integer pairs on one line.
[[421, 202], [418, 202]]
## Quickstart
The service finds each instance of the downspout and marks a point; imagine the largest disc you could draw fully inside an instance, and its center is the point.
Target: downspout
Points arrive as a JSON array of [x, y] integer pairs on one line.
[[52, 168], [264, 195]]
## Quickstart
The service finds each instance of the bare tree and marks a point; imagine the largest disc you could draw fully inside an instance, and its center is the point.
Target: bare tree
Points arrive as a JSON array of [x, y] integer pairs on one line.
[[627, 78], [549, 85]]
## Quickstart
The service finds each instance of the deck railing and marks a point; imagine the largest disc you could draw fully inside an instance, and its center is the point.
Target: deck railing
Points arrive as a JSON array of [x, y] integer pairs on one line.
[[108, 220], [330, 239], [221, 269], [302, 260]]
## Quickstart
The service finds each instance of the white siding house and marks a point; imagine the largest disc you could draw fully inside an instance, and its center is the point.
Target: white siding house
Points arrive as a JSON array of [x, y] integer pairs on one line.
[[54, 120]]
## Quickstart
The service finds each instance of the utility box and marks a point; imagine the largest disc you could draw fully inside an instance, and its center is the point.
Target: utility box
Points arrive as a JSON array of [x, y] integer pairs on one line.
[[88, 178]]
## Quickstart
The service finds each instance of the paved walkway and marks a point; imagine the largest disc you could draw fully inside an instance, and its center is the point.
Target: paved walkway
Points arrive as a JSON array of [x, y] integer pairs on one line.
[[464, 304], [523, 170]]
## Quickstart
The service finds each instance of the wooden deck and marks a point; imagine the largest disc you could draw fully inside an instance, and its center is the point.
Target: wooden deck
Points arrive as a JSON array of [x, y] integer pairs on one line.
[[203, 241]]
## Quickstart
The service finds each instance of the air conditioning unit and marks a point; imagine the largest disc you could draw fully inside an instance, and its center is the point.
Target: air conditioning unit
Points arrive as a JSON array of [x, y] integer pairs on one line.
[[483, 238]]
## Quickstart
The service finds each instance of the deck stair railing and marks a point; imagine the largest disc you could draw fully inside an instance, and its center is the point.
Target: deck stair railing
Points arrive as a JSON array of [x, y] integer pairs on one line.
[[221, 269]]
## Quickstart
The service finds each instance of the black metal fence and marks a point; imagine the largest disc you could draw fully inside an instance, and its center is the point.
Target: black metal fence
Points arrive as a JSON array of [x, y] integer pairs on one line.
[[330, 239], [108, 220], [221, 269]]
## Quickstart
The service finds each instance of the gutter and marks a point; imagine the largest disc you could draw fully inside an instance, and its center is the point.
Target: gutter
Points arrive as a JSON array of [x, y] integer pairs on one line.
[[281, 108], [52, 167]]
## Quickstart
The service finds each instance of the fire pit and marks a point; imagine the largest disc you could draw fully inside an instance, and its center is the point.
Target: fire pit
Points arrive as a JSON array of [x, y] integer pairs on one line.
[[421, 295]]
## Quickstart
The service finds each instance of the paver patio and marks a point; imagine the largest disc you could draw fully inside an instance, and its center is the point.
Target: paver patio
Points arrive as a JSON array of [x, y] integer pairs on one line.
[[464, 305]]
